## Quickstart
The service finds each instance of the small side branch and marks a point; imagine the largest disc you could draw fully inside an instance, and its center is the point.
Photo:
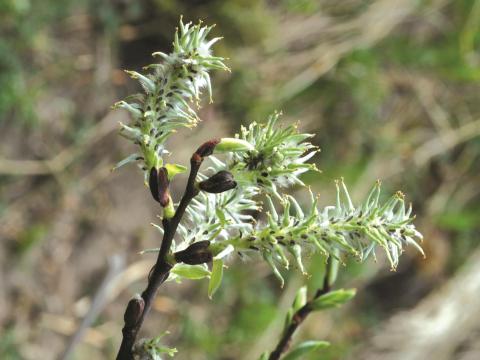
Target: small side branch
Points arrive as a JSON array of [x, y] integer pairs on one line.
[[298, 318]]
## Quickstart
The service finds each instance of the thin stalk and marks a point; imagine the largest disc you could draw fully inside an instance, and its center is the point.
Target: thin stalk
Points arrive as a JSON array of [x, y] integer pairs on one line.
[[299, 317], [138, 309]]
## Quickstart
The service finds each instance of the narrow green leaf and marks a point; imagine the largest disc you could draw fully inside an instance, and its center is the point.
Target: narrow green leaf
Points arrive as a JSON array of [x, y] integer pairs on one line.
[[192, 272], [233, 145], [333, 299], [216, 277], [174, 169], [305, 348], [127, 160]]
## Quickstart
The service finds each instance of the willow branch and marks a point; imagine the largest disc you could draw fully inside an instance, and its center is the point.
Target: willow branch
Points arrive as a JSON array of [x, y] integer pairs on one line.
[[138, 307]]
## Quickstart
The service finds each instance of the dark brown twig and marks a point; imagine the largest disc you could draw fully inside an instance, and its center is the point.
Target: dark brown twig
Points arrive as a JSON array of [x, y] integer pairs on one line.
[[298, 318], [138, 308]]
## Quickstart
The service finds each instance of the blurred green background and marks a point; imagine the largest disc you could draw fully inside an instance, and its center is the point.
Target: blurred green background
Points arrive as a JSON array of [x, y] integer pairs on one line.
[[391, 88]]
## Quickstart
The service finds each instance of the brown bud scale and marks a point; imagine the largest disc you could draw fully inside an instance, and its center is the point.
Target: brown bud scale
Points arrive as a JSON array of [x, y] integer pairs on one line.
[[218, 183], [206, 149]]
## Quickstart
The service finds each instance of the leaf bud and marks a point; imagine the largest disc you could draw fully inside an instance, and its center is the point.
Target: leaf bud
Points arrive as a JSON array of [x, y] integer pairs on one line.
[[218, 183], [206, 149], [158, 183], [134, 310], [153, 183], [197, 253], [163, 183]]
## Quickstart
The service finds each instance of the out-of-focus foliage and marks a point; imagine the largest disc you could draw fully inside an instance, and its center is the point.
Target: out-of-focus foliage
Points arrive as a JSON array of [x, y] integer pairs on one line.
[[391, 89], [23, 37]]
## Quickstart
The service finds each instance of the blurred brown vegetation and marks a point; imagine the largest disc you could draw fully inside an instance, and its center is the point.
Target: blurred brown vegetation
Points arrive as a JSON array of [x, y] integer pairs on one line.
[[390, 87]]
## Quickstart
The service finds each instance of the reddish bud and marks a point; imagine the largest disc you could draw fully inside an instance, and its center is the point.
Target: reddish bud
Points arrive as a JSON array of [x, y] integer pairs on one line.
[[207, 148], [163, 192]]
